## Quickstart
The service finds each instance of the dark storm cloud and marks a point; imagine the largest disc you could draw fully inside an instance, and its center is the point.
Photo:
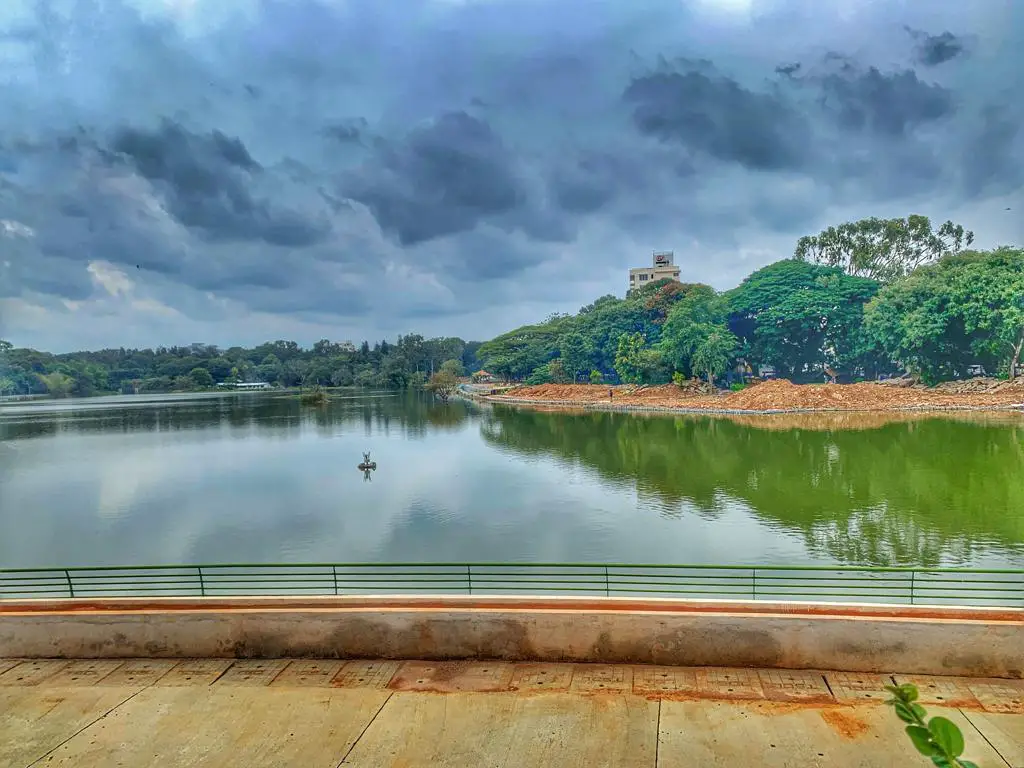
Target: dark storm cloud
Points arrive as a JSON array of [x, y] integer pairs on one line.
[[444, 177], [206, 180], [885, 103], [711, 113], [932, 50], [296, 155]]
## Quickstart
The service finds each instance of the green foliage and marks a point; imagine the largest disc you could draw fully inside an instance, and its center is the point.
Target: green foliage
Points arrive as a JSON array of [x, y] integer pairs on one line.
[[701, 314], [635, 362], [938, 738], [444, 384], [403, 364], [201, 377], [577, 353], [316, 395], [713, 352], [57, 384], [966, 309], [798, 316], [596, 377], [454, 367], [883, 249]]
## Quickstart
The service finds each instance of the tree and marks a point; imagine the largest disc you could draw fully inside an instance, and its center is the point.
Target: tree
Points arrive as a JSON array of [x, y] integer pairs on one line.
[[443, 384], [453, 366], [201, 377], [635, 362], [57, 384], [798, 317], [595, 377], [713, 353], [966, 309], [576, 352], [883, 249], [689, 323]]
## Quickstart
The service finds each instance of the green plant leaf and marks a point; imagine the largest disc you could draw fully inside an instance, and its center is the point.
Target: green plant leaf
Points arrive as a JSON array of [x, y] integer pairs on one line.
[[895, 691], [947, 736], [968, 764], [918, 710], [941, 761], [909, 691], [905, 713], [922, 739]]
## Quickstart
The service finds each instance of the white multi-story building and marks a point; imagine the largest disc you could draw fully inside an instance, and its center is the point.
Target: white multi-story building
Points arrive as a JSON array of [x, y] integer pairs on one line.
[[663, 266]]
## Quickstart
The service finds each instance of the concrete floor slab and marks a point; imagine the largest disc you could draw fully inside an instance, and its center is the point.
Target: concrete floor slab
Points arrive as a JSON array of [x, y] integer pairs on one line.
[[1000, 696], [366, 674], [941, 691], [795, 685], [665, 681], [510, 731], [858, 686], [1004, 732], [83, 673], [179, 727], [139, 672], [35, 720], [726, 683], [308, 673], [32, 672], [777, 735], [602, 678], [194, 672], [253, 673], [452, 676], [541, 677]]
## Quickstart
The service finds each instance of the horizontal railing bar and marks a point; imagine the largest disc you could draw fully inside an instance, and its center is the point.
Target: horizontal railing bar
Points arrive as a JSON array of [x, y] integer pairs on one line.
[[597, 565]]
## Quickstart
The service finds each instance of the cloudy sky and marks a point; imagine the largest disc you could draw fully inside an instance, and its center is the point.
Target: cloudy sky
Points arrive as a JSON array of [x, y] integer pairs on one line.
[[230, 171]]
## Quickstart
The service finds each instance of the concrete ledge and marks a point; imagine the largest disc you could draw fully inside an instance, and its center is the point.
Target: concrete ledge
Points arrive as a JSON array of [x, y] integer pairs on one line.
[[940, 641]]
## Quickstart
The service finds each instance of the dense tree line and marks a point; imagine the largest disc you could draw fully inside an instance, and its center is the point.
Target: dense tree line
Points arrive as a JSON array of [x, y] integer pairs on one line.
[[407, 363], [857, 301]]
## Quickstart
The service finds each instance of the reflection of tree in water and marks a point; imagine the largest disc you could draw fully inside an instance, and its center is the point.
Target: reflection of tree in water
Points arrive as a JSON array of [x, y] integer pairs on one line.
[[416, 413], [920, 492]]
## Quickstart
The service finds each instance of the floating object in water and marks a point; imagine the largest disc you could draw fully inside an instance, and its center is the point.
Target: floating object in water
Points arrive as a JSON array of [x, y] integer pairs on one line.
[[366, 464]]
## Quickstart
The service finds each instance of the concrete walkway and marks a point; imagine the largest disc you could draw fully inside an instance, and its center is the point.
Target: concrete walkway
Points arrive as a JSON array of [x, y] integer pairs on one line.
[[326, 714]]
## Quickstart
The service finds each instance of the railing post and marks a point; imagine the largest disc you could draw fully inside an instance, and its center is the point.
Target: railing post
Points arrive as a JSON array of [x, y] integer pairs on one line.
[[71, 588], [202, 584], [753, 583], [607, 586], [469, 578], [334, 573], [912, 587]]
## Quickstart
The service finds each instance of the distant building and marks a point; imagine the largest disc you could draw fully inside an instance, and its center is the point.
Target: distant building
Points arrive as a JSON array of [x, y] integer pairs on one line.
[[662, 266]]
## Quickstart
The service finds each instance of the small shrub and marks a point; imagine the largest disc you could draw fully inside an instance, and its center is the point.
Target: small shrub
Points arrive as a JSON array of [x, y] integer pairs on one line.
[[596, 377], [937, 738], [736, 386]]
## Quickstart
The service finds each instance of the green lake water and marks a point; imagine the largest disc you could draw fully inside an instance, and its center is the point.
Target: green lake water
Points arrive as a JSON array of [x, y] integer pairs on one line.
[[261, 478]]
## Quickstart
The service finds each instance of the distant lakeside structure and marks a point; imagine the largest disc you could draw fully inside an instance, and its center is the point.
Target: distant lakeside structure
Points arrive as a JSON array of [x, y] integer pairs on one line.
[[662, 266]]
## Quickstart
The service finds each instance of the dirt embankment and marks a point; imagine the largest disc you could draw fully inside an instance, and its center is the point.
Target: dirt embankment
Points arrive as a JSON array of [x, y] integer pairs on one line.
[[778, 395]]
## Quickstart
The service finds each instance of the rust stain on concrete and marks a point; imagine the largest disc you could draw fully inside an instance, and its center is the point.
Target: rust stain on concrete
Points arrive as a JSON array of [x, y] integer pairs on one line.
[[843, 723]]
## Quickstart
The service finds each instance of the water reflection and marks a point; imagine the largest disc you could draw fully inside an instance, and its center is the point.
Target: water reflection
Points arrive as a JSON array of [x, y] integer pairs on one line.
[[259, 477], [902, 491]]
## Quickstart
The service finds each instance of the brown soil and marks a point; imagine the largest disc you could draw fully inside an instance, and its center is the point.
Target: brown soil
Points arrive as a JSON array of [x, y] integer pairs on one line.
[[781, 395]]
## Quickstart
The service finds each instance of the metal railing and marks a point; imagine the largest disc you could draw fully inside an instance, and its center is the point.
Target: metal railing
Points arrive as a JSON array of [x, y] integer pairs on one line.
[[914, 586]]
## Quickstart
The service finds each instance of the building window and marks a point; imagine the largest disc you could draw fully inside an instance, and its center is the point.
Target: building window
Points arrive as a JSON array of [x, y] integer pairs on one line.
[[643, 277]]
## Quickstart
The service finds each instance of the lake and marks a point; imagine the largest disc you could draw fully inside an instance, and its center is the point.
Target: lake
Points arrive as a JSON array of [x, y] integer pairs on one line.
[[261, 478]]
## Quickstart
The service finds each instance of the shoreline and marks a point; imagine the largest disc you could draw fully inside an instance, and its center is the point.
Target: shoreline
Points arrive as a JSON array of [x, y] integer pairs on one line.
[[569, 405]]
